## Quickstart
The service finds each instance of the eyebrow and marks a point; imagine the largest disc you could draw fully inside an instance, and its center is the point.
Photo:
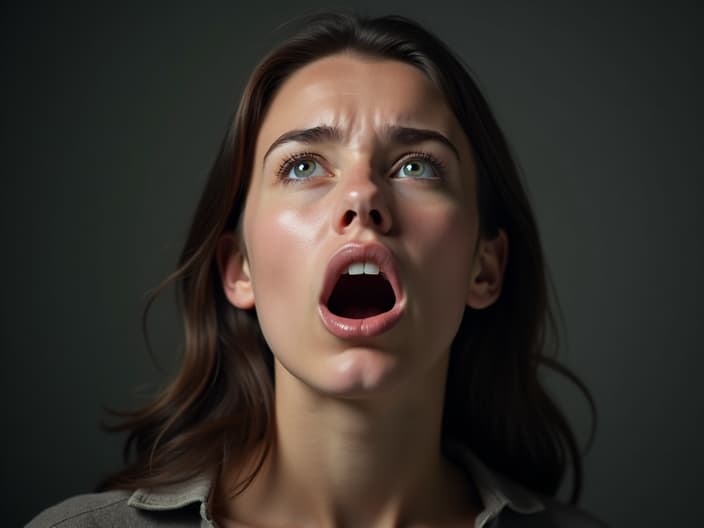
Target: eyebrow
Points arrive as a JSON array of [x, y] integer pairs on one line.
[[328, 134]]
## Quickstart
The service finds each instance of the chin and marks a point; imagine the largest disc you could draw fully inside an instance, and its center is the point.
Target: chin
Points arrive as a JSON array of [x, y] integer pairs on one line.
[[355, 373]]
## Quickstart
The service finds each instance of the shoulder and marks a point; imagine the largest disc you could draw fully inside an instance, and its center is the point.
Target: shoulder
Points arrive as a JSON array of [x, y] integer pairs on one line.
[[83, 510], [109, 509], [554, 515]]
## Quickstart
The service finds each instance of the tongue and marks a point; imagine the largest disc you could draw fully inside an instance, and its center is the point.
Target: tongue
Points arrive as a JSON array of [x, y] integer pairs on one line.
[[361, 296]]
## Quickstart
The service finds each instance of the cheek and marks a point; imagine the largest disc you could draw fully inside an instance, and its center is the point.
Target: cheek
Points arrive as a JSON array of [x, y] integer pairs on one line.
[[442, 250], [280, 242], [443, 236], [275, 242]]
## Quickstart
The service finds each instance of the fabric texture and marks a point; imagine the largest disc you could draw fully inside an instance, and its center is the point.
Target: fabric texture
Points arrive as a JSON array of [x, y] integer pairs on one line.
[[505, 505]]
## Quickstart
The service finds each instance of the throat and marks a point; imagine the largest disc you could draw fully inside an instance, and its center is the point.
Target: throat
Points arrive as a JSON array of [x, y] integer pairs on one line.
[[361, 296]]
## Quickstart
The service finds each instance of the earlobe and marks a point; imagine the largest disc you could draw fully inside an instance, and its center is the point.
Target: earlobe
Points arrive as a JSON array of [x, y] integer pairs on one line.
[[234, 271], [488, 271]]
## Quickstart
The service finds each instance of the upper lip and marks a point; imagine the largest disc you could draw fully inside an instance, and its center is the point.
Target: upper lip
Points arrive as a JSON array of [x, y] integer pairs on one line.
[[360, 252]]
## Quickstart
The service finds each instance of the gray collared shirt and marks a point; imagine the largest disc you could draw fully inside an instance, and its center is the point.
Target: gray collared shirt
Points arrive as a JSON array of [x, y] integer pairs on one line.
[[506, 505]]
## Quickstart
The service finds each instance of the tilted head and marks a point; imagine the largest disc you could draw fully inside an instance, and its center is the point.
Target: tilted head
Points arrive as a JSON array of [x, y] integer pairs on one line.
[[494, 402]]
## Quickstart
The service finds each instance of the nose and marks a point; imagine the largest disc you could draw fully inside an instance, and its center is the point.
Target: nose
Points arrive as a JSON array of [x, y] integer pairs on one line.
[[361, 202]]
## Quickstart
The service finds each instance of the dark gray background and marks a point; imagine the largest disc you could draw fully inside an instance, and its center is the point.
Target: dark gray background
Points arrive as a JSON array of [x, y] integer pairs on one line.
[[112, 115]]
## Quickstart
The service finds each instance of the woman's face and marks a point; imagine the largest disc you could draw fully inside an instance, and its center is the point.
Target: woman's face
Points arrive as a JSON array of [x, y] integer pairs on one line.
[[360, 227]]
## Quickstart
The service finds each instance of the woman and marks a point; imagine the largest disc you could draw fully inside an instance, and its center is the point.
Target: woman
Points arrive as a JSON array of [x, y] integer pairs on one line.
[[365, 309]]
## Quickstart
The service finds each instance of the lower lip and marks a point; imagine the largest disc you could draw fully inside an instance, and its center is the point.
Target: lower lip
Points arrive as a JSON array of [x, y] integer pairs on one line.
[[346, 328]]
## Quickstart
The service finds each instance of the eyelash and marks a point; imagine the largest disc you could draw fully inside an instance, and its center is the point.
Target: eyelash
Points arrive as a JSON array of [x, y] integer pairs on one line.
[[437, 165], [288, 163]]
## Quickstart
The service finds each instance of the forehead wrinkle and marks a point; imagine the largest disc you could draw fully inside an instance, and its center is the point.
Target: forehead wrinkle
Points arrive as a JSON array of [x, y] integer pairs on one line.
[[345, 122], [385, 133], [381, 125], [337, 85], [318, 132]]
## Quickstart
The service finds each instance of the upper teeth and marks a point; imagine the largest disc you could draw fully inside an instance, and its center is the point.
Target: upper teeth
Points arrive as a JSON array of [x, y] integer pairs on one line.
[[366, 268]]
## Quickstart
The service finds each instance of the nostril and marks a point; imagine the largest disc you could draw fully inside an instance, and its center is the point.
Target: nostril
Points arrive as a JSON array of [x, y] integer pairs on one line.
[[376, 216], [349, 216]]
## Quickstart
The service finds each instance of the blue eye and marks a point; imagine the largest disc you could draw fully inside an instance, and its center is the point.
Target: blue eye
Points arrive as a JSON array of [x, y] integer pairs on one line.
[[417, 168], [300, 168]]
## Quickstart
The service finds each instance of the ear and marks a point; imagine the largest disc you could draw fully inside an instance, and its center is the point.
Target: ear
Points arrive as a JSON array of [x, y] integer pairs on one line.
[[234, 272], [488, 271]]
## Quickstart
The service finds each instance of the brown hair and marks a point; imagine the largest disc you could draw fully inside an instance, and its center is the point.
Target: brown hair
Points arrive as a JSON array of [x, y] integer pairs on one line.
[[219, 408]]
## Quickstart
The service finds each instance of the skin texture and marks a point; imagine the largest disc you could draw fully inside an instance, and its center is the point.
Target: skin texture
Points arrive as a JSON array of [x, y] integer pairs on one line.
[[351, 413]]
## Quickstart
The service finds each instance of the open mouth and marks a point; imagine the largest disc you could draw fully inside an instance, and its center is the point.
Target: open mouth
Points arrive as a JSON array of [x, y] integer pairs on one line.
[[358, 296], [361, 295]]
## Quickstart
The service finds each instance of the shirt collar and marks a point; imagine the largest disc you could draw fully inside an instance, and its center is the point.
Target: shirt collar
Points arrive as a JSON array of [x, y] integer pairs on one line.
[[173, 497], [497, 492]]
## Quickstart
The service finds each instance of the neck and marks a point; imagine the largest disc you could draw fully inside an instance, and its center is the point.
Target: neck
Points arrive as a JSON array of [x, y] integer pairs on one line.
[[356, 462]]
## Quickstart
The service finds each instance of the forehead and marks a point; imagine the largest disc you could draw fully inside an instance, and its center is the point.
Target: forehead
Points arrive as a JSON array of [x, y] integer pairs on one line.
[[360, 96]]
